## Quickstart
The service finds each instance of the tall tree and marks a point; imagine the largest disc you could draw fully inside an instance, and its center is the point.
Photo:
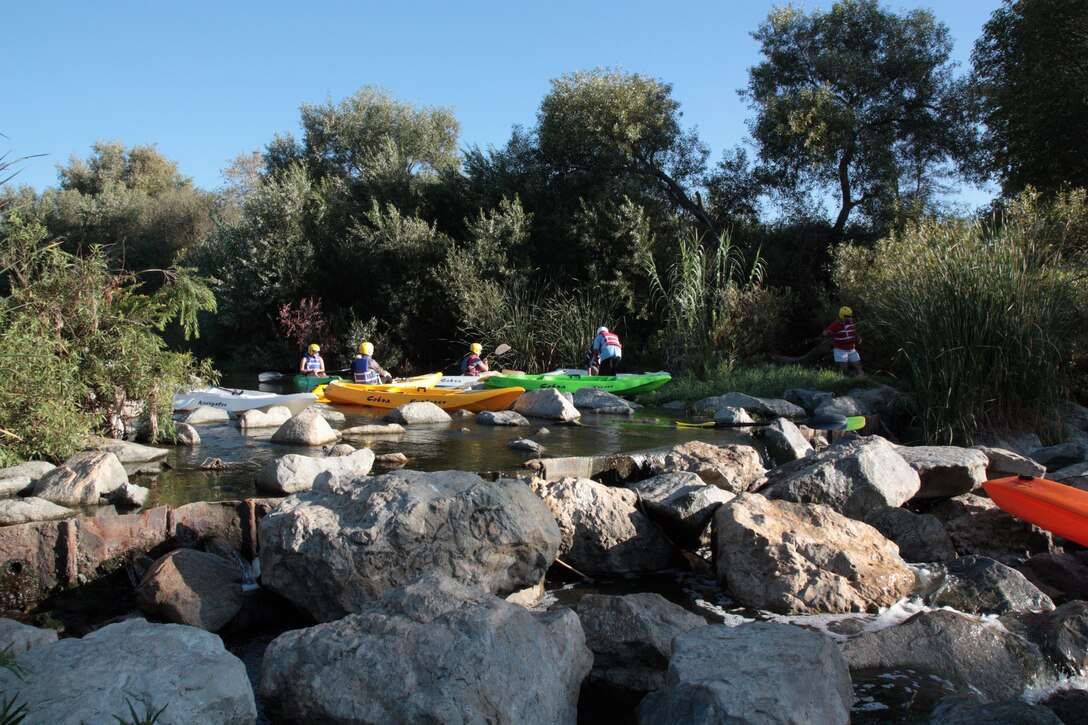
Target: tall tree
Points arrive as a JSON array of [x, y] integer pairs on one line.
[[857, 101], [1031, 73]]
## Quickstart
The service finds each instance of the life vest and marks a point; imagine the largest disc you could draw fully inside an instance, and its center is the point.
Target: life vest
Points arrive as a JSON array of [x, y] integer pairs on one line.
[[845, 335], [611, 339], [470, 364], [361, 372], [314, 363]]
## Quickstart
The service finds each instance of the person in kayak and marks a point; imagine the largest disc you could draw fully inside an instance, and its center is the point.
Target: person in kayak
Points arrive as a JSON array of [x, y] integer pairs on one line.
[[843, 332], [365, 369], [311, 363], [472, 364], [606, 345]]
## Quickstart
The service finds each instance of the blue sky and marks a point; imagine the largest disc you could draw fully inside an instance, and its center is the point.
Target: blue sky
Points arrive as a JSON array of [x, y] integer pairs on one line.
[[205, 81]]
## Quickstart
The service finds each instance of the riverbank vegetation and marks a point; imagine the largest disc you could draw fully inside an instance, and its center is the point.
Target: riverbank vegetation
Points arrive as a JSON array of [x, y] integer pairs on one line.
[[373, 223]]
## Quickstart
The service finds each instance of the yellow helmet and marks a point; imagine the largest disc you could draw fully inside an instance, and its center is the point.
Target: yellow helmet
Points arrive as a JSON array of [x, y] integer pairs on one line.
[[476, 348], [366, 349], [845, 311], [313, 348]]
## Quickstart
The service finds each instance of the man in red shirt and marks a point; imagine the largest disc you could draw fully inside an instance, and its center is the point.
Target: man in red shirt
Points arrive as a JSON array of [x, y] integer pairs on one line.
[[844, 335]]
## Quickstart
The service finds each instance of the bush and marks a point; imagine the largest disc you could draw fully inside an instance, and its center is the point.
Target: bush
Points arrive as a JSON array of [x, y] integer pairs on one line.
[[763, 381], [986, 320]]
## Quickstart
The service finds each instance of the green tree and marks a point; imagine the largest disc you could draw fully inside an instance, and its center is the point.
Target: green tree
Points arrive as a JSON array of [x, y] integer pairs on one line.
[[857, 101], [141, 168], [1031, 74]]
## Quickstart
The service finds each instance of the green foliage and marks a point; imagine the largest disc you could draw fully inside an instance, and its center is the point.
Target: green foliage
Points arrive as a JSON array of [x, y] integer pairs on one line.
[[987, 319], [81, 342], [1030, 66], [764, 381], [701, 296], [149, 717], [858, 101], [12, 712]]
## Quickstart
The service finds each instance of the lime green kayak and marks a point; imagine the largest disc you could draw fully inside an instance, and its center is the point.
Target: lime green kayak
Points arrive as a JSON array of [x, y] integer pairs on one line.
[[309, 382], [629, 384]]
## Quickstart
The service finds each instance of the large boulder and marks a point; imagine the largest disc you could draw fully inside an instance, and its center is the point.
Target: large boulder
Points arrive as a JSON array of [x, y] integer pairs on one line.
[[798, 558], [952, 508], [979, 585], [16, 486], [204, 414], [192, 587], [434, 651], [501, 417], [183, 671], [785, 442], [421, 412], [970, 710], [1061, 634], [631, 638], [295, 472], [763, 407], [307, 428], [526, 445], [603, 530], [969, 655], [807, 398], [920, 537], [1000, 536], [761, 672], [595, 400], [1002, 462], [547, 403], [852, 476], [946, 471], [274, 417], [185, 435], [128, 495], [732, 467], [17, 637], [1063, 577], [19, 480], [1075, 475], [681, 503], [1062, 454], [24, 510], [83, 479], [330, 551], [127, 452]]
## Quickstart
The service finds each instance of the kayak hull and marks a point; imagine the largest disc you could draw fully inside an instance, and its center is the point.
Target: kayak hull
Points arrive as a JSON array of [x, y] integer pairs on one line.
[[472, 400], [630, 384], [235, 400], [309, 382], [419, 382], [1060, 509]]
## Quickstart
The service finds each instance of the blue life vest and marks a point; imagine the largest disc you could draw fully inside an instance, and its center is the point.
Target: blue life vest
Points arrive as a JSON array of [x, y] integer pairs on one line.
[[314, 362], [361, 372]]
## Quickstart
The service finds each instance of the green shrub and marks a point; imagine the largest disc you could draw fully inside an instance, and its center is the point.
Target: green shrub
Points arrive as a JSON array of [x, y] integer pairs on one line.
[[986, 320], [763, 381]]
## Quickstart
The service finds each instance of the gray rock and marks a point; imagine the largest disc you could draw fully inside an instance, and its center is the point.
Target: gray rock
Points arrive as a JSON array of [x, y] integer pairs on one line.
[[31, 469], [1061, 634], [206, 414], [603, 531], [681, 503], [1062, 577], [952, 508], [341, 449], [274, 417], [16, 486], [734, 468], [128, 495], [501, 417], [1070, 705], [295, 472], [82, 479], [795, 558], [765, 407], [1075, 475], [843, 405], [17, 637], [603, 402], [631, 639], [305, 429], [1003, 462], [785, 442], [330, 552], [970, 710], [945, 471], [920, 537], [391, 460], [1061, 455], [434, 651], [1000, 536], [185, 434], [418, 413], [374, 430], [329, 414], [807, 398], [126, 451], [852, 476], [192, 587], [524, 444], [956, 647], [1022, 442], [979, 585], [547, 403], [729, 416], [760, 672], [182, 670]]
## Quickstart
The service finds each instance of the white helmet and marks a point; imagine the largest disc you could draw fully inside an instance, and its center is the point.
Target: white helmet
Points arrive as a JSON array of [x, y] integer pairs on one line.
[[601, 329]]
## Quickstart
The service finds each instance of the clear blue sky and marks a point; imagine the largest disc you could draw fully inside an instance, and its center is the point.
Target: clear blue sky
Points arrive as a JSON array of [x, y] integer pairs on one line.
[[205, 81]]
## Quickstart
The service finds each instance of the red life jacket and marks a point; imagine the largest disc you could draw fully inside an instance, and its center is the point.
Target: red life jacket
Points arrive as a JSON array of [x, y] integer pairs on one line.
[[611, 339]]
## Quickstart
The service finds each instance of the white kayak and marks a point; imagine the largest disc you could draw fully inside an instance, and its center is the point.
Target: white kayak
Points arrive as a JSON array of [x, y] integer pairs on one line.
[[460, 382], [236, 400]]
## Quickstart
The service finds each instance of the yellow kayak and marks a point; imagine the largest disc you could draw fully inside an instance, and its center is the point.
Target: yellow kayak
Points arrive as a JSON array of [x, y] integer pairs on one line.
[[472, 400], [417, 384]]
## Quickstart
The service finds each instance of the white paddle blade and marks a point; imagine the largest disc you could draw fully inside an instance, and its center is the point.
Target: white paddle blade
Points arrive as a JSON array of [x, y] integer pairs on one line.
[[501, 349], [265, 377]]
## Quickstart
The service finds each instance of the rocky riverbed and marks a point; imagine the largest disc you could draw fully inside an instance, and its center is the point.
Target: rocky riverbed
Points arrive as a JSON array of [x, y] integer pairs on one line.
[[793, 579]]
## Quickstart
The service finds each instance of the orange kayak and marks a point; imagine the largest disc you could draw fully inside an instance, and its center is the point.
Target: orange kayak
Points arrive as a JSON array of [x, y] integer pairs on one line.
[[473, 400], [1050, 505]]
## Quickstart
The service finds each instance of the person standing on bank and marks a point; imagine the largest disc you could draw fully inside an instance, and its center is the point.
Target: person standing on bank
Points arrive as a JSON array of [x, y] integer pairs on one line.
[[843, 332], [311, 363], [365, 369], [606, 345], [472, 364]]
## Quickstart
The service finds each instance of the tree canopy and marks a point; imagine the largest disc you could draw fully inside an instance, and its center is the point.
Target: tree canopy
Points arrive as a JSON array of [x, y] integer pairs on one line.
[[1031, 74], [858, 101]]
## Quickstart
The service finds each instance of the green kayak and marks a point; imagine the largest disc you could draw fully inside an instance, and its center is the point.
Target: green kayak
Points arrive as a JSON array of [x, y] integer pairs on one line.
[[624, 384], [309, 382]]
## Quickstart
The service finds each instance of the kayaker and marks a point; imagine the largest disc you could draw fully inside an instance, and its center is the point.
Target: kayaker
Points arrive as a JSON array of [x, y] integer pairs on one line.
[[843, 332], [472, 364], [311, 363], [608, 349], [365, 369]]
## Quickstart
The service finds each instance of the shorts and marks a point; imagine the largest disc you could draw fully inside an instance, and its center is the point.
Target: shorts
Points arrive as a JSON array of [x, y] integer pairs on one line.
[[846, 356]]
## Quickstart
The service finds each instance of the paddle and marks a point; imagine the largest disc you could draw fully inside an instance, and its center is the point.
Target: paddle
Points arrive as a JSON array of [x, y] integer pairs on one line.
[[823, 422]]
